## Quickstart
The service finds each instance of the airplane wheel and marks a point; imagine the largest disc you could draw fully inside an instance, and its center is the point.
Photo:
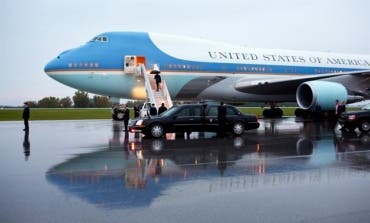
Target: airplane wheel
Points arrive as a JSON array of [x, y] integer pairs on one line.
[[299, 113], [273, 113], [364, 126], [238, 128], [117, 115], [156, 130], [116, 118], [278, 112]]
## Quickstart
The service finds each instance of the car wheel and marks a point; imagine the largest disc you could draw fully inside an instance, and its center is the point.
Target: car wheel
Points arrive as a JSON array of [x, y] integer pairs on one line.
[[238, 128], [364, 126], [156, 130]]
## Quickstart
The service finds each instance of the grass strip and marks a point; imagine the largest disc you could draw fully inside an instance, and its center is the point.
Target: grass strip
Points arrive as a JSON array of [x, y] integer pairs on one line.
[[56, 114], [77, 114]]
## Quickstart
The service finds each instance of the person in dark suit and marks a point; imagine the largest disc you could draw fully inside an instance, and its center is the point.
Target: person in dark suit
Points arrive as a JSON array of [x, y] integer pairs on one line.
[[341, 108], [136, 111], [221, 119], [126, 117], [161, 109], [152, 110], [158, 80], [26, 116]]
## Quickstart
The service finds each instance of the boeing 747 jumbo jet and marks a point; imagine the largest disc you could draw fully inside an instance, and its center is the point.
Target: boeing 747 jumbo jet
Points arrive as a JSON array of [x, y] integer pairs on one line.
[[118, 64]]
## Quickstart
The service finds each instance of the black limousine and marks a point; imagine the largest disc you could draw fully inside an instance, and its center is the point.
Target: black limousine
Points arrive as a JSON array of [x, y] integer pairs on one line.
[[355, 119], [194, 118]]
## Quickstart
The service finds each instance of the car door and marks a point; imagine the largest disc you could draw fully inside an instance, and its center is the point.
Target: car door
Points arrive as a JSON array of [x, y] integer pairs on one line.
[[210, 119], [187, 119], [198, 119], [182, 119], [232, 115]]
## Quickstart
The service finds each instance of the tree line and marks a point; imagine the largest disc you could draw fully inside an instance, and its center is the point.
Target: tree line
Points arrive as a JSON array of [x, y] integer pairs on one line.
[[79, 100]]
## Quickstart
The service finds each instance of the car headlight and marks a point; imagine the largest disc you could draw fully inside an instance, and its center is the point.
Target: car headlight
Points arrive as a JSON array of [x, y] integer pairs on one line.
[[351, 117], [139, 122]]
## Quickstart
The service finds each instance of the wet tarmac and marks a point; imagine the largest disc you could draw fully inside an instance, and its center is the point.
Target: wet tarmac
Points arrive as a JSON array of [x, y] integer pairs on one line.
[[91, 171]]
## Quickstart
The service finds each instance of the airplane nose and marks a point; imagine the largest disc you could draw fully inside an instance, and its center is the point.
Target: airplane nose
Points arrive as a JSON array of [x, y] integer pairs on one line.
[[55, 64], [48, 67], [58, 63]]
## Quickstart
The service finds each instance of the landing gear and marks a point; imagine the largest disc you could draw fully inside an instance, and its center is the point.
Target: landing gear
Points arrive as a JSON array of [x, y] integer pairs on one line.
[[318, 115], [273, 112], [117, 109], [303, 113], [117, 113]]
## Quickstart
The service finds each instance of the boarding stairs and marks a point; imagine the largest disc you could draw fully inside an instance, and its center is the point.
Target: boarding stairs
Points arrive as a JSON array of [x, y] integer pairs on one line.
[[154, 96]]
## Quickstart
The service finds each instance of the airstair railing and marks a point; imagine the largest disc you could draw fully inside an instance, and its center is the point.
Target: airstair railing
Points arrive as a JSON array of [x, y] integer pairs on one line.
[[166, 94], [148, 87]]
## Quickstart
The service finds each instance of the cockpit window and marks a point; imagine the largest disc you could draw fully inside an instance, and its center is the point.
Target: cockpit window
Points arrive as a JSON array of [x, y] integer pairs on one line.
[[100, 39]]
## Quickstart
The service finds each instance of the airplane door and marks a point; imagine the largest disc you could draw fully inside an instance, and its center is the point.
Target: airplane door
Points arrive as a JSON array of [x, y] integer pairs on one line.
[[129, 64], [132, 64]]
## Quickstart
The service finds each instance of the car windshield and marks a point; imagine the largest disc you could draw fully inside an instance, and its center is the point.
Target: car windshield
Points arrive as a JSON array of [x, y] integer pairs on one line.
[[169, 112]]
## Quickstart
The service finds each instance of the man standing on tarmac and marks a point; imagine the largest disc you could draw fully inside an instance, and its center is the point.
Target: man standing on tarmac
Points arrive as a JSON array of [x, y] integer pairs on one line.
[[126, 117], [340, 107], [161, 109], [152, 111], [26, 116]]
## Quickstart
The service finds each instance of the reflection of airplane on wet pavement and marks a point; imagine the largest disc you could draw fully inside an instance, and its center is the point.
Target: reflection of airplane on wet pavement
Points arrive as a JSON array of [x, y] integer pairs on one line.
[[134, 172]]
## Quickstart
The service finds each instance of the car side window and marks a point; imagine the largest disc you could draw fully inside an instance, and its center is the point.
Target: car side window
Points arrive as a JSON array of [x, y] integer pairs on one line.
[[230, 111], [184, 112], [213, 111], [198, 111]]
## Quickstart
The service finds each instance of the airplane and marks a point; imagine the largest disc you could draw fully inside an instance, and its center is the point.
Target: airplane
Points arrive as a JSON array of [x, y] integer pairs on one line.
[[200, 69]]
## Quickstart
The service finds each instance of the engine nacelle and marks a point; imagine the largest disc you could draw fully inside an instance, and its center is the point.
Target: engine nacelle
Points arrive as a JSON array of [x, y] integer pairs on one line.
[[312, 94]]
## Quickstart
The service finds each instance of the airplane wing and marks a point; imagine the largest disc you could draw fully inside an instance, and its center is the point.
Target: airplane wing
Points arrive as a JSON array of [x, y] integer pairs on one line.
[[287, 85]]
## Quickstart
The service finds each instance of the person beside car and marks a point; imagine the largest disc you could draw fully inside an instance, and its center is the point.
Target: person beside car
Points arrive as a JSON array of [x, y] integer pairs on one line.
[[152, 110], [161, 109]]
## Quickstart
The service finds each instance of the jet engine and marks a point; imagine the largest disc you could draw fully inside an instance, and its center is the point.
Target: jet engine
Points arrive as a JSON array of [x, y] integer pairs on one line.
[[312, 94]]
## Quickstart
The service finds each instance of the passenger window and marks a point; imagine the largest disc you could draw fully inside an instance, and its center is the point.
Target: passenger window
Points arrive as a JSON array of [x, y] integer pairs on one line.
[[197, 111], [184, 112], [231, 111], [213, 111]]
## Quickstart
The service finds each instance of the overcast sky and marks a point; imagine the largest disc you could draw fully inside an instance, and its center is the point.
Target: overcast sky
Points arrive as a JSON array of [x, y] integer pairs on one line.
[[33, 32]]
